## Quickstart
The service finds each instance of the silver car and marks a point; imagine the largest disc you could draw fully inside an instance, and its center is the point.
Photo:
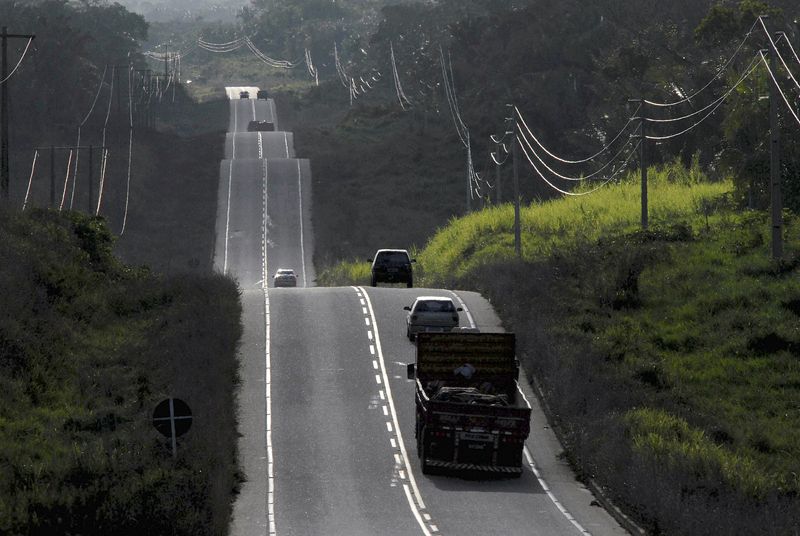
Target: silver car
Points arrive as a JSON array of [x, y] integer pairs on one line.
[[431, 313], [284, 277]]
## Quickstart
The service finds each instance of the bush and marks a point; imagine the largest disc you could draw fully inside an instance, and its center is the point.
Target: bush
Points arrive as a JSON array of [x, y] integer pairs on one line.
[[88, 346]]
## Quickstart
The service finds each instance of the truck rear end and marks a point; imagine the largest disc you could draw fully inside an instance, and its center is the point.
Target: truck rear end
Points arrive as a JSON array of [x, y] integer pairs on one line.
[[470, 413]]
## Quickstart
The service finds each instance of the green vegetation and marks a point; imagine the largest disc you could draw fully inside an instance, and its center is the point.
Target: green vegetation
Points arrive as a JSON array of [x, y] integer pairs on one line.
[[88, 347], [487, 236], [668, 357]]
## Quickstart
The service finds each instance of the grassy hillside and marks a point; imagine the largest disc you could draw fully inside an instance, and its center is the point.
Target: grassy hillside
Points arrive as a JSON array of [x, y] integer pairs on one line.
[[669, 357], [89, 347]]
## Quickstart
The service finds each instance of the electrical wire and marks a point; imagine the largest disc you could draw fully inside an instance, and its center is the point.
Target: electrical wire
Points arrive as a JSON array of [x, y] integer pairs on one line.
[[778, 52], [461, 129], [611, 161], [130, 152], [14, 70], [791, 47], [235, 41], [587, 192], [103, 142], [709, 114], [78, 142], [778, 87], [452, 103], [30, 180], [724, 96], [66, 181], [581, 160], [110, 101], [101, 189], [343, 78], [717, 75], [401, 97]]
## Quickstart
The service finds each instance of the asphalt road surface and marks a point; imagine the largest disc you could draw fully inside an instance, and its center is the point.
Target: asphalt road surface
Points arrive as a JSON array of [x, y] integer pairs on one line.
[[326, 414]]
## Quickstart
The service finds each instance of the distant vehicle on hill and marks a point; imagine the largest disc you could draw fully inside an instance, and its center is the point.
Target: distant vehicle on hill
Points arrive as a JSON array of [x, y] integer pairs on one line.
[[244, 94], [262, 94], [392, 266], [260, 126], [285, 277]]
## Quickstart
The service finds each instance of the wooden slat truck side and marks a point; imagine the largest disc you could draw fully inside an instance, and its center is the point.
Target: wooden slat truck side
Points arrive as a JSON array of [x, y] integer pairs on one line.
[[470, 412]]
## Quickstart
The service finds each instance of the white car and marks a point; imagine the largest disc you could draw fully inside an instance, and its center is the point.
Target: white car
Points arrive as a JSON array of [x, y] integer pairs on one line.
[[284, 277], [431, 313]]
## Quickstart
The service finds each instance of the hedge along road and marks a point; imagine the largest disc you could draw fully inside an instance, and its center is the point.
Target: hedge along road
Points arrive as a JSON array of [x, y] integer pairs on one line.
[[325, 412]]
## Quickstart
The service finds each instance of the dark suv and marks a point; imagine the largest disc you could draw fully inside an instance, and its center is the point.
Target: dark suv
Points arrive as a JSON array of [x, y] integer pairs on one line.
[[392, 266]]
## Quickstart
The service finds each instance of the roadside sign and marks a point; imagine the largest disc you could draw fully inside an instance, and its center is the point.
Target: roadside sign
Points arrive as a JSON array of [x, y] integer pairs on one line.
[[172, 418]]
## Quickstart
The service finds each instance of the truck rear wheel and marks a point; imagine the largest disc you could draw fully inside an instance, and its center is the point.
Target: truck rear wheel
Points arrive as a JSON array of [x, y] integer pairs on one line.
[[422, 442]]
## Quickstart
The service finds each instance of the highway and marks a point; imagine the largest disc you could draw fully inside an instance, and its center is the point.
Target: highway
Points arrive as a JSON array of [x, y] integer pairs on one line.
[[326, 414]]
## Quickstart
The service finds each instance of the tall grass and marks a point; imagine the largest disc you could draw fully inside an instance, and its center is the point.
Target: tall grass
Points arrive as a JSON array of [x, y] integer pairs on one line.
[[675, 195]]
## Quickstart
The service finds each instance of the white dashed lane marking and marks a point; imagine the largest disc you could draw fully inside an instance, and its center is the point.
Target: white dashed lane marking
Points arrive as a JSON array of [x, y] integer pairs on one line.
[[404, 474]]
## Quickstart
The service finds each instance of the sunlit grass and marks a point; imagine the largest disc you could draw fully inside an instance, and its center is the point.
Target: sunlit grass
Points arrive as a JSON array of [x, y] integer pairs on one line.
[[488, 235], [671, 441]]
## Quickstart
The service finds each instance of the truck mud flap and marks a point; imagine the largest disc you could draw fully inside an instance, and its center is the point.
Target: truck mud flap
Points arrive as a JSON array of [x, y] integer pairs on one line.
[[473, 467]]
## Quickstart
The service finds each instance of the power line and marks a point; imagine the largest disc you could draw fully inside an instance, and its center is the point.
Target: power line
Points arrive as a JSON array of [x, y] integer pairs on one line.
[[66, 181], [778, 52], [401, 96], [24, 52], [581, 160], [791, 47], [717, 75], [605, 166], [719, 103], [30, 180], [778, 87], [701, 110], [5, 173], [576, 194], [130, 153]]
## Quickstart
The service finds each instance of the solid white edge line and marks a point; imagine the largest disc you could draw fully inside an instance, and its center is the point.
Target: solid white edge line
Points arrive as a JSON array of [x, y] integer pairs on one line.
[[253, 102], [302, 242], [227, 219], [286, 143], [388, 389], [551, 496], [416, 512], [268, 365], [464, 306], [527, 452], [235, 129]]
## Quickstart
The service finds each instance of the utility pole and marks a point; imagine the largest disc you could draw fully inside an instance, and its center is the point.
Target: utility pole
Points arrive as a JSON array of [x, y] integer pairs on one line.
[[515, 162], [52, 175], [91, 179], [469, 177], [119, 100], [643, 157], [776, 201], [53, 149], [4, 166], [497, 180]]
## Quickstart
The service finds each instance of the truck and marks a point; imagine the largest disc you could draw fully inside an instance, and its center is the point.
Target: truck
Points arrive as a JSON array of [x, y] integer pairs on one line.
[[470, 412]]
